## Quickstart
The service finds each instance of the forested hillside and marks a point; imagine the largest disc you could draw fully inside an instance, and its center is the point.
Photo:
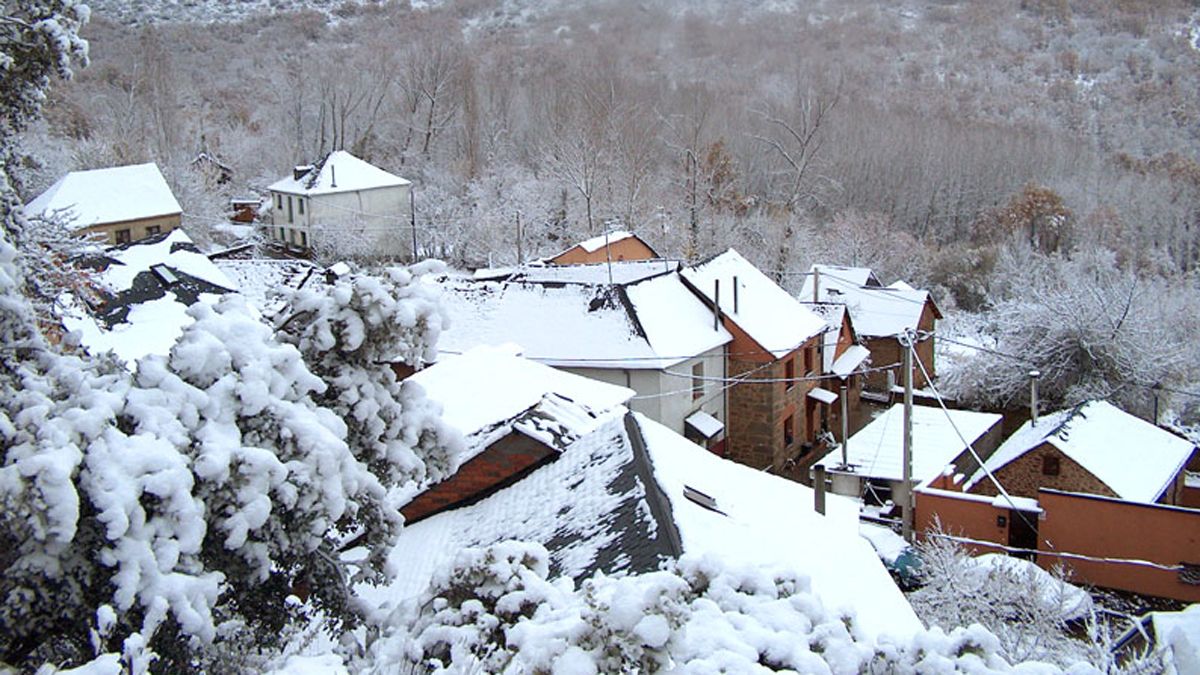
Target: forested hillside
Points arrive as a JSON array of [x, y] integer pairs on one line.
[[940, 142]]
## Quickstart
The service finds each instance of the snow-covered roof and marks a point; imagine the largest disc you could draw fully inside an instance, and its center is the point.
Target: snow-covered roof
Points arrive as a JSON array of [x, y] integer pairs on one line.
[[596, 243], [652, 324], [588, 507], [1133, 457], [260, 280], [753, 527], [609, 503], [623, 272], [877, 311], [877, 450], [112, 195], [340, 172], [849, 361], [146, 287], [1178, 634], [772, 318], [486, 391]]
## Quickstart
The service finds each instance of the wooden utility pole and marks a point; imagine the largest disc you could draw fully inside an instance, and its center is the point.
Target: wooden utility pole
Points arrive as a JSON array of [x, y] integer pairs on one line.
[[520, 256], [907, 497]]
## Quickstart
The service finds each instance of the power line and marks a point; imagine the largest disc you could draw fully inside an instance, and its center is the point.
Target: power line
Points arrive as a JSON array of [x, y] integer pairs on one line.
[[1057, 554]]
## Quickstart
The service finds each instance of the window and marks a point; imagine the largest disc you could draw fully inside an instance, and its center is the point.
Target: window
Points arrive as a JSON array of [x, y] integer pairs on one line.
[[697, 380], [152, 230], [282, 234], [122, 236], [304, 239], [291, 219], [1049, 465], [279, 202], [301, 205], [789, 430], [789, 372]]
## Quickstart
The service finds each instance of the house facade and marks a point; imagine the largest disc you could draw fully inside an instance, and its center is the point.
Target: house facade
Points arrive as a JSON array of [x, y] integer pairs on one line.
[[345, 204], [778, 403], [119, 204], [843, 358]]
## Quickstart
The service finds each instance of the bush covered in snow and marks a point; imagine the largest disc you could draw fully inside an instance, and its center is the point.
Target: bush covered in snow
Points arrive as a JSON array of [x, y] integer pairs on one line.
[[496, 611]]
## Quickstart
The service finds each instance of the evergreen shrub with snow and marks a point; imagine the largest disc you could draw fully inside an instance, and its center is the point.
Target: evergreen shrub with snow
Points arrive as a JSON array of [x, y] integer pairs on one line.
[[495, 611]]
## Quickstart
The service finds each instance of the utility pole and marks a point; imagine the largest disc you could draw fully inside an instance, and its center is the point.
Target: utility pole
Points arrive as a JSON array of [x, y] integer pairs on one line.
[[816, 284], [907, 504], [520, 257], [412, 216], [608, 255], [845, 429]]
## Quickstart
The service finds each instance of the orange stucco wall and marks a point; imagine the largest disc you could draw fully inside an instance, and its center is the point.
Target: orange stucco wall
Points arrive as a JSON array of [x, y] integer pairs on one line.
[[630, 248], [961, 517], [1110, 528]]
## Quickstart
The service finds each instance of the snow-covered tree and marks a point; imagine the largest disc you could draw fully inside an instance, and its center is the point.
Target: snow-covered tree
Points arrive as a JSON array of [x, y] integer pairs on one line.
[[495, 611], [351, 332], [1035, 615]]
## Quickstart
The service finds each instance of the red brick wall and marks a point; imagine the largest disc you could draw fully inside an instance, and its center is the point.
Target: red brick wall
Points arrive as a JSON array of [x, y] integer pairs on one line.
[[1024, 477], [1109, 528], [885, 351], [501, 464]]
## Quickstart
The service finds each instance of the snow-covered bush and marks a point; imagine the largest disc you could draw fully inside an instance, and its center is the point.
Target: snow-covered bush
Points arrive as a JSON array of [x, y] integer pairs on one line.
[[495, 611], [1034, 615], [350, 333]]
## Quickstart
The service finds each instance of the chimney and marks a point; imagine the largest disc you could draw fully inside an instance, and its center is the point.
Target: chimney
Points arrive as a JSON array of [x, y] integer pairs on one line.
[[333, 175], [1033, 396], [735, 295], [299, 172]]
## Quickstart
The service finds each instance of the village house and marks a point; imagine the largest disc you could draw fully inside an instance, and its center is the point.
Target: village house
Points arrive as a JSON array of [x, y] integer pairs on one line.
[[779, 403], [843, 358], [645, 330], [515, 415], [631, 495], [139, 294], [1092, 482], [881, 315], [612, 246], [120, 204], [870, 466], [345, 203]]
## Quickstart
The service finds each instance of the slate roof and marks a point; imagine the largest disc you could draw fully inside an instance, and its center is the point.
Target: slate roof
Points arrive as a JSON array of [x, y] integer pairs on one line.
[[623, 272], [591, 508], [142, 292], [646, 325]]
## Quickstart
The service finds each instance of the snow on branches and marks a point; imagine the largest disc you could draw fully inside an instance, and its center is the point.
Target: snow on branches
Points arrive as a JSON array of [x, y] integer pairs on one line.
[[350, 333], [495, 611]]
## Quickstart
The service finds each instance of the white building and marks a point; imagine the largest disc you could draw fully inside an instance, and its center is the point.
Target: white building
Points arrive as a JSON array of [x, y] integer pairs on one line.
[[343, 205]]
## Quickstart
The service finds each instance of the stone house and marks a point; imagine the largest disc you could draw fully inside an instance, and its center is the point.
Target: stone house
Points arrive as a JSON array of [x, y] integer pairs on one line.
[[344, 203], [881, 314], [778, 404], [122, 204], [1094, 448]]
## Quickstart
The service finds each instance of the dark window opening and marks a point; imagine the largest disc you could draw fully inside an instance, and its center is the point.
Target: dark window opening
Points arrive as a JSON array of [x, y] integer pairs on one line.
[[697, 381], [789, 372], [1049, 465], [152, 230], [123, 236], [789, 430]]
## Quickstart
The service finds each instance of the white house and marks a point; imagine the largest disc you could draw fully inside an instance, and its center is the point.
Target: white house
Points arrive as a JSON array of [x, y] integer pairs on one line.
[[345, 205], [649, 333], [123, 203]]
